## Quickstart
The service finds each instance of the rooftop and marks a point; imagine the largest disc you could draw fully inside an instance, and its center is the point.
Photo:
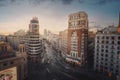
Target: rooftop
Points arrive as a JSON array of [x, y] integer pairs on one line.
[[34, 20], [109, 30]]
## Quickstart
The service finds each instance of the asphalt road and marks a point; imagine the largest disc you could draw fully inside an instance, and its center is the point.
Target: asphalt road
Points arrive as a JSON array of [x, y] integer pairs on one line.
[[53, 67]]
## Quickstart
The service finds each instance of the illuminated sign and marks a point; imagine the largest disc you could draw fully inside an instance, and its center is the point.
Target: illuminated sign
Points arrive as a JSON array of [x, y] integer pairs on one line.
[[9, 74]]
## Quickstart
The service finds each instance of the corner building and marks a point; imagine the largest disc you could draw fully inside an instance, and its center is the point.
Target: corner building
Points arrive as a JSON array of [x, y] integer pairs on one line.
[[77, 36], [107, 51], [34, 44]]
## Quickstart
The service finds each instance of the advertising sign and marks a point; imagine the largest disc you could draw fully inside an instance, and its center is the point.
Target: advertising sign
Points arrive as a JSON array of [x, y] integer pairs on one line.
[[9, 74]]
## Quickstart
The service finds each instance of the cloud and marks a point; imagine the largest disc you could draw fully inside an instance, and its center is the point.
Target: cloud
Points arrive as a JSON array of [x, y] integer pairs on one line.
[[104, 2], [81, 1], [38, 2], [67, 1], [4, 3]]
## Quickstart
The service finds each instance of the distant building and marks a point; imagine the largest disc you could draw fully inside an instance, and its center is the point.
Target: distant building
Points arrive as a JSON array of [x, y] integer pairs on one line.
[[33, 42], [16, 39], [45, 33], [91, 47], [91, 36], [20, 33], [2, 37], [12, 66], [77, 44], [63, 42], [55, 41], [50, 36]]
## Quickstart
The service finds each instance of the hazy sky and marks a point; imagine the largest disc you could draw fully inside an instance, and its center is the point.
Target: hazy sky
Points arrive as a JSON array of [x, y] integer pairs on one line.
[[53, 14]]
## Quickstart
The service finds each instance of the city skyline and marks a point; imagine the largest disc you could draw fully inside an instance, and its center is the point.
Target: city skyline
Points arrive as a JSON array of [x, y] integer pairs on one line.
[[53, 14]]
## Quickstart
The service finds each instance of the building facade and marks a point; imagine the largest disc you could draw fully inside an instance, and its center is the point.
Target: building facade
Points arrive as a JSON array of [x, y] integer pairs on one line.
[[33, 42], [77, 36], [107, 51], [63, 42], [12, 63]]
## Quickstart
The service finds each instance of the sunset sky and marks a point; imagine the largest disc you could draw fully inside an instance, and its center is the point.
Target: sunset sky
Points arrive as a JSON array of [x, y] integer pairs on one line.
[[53, 14]]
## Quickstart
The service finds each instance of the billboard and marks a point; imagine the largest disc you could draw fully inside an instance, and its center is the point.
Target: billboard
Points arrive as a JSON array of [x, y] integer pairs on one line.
[[9, 74]]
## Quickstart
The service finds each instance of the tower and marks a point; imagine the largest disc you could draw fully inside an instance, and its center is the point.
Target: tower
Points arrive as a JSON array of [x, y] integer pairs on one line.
[[77, 36], [34, 26], [34, 44]]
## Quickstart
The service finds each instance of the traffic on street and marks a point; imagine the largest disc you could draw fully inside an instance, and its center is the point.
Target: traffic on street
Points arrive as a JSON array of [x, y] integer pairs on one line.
[[53, 67]]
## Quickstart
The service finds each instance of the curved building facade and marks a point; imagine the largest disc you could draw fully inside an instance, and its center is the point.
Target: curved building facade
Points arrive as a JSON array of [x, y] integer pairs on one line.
[[34, 44]]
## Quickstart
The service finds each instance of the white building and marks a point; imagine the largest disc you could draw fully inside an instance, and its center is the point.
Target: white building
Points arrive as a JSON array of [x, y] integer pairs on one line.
[[34, 44], [107, 51]]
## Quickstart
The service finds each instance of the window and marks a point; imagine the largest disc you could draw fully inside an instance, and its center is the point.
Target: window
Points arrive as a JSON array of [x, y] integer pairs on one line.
[[5, 64], [103, 37], [119, 38], [101, 54], [98, 37], [97, 49], [107, 42], [106, 64], [106, 55], [106, 59], [118, 47], [102, 58], [112, 42], [118, 52], [107, 37], [102, 50], [11, 62], [102, 46], [97, 41], [112, 37], [111, 69], [106, 68], [97, 53], [102, 42], [118, 42], [106, 46], [106, 50]]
